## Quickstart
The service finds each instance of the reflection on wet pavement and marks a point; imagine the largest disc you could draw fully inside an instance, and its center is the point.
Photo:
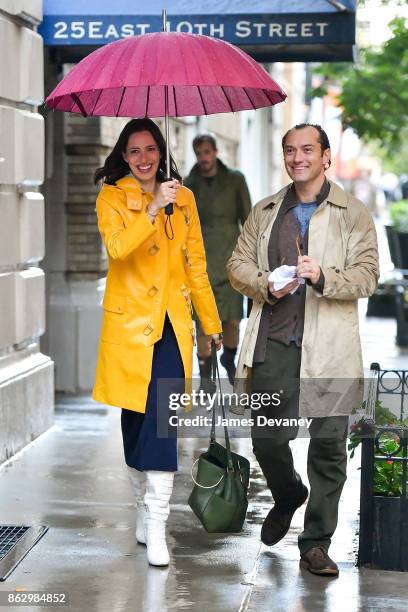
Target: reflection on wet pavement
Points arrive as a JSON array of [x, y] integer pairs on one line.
[[76, 484], [73, 480]]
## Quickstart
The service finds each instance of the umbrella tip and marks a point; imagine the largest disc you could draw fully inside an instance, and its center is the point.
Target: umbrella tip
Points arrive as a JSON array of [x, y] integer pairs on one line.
[[164, 17]]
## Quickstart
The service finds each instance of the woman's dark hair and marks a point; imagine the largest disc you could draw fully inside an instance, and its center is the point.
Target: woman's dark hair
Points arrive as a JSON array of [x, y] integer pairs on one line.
[[115, 167]]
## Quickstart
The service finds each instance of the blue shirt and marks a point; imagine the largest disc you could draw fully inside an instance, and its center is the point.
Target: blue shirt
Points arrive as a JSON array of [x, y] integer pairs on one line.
[[303, 212]]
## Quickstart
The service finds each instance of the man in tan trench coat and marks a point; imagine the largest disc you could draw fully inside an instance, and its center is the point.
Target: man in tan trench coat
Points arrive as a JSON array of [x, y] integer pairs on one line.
[[302, 341]]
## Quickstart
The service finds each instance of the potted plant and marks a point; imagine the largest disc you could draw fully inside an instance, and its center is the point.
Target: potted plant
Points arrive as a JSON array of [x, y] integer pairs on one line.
[[383, 505], [397, 234], [382, 302]]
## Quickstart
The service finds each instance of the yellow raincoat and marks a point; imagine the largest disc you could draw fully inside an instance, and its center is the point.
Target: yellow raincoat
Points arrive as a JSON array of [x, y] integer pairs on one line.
[[148, 275]]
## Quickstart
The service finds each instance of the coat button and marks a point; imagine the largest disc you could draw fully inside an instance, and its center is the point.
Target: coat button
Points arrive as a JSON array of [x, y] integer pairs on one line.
[[152, 291], [337, 270], [259, 273], [154, 249], [148, 329]]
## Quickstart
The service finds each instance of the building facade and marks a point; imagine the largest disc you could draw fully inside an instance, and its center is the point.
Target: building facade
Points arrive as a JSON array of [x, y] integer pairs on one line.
[[26, 374]]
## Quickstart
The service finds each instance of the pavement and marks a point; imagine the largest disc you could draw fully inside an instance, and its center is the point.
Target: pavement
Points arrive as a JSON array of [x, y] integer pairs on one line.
[[72, 479]]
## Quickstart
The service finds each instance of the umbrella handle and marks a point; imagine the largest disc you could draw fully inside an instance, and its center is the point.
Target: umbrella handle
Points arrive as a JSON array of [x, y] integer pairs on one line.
[[169, 208]]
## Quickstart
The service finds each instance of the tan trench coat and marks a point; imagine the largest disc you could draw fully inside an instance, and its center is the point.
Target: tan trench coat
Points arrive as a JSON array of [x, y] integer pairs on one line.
[[343, 240]]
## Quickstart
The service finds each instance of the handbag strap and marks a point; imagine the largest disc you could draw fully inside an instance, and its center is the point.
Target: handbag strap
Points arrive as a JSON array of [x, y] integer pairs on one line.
[[216, 379]]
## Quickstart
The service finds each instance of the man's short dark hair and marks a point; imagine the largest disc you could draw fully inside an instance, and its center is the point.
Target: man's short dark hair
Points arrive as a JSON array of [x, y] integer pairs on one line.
[[202, 138], [322, 138]]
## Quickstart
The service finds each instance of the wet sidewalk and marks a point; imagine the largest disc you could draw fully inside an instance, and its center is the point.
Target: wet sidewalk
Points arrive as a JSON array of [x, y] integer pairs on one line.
[[73, 479]]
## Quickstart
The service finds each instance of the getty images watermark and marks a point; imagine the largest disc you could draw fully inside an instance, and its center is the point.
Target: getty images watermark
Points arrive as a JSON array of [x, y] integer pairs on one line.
[[294, 407], [208, 401]]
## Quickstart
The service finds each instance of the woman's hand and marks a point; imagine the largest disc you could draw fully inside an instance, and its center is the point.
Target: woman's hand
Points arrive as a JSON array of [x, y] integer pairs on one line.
[[218, 342], [166, 193]]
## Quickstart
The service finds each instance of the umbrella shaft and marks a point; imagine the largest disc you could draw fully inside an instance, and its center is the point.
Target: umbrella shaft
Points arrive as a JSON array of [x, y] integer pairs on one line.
[[169, 208], [167, 129]]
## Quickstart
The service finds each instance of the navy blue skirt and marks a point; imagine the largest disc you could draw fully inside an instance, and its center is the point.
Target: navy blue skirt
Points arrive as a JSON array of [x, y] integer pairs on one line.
[[143, 449]]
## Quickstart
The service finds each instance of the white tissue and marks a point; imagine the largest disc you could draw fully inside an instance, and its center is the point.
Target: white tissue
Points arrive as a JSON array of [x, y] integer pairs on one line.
[[283, 275]]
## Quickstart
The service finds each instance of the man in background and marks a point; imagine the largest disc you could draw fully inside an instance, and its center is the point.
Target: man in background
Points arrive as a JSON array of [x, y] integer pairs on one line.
[[223, 203]]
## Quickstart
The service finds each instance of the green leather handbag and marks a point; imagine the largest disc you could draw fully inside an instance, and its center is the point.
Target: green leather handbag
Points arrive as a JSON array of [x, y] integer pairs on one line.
[[219, 495]]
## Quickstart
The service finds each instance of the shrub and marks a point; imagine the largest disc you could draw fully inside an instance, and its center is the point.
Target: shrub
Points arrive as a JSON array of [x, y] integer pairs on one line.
[[399, 215]]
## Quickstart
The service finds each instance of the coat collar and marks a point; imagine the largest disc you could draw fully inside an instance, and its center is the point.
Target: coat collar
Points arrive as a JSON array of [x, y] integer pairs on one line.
[[136, 197], [336, 196]]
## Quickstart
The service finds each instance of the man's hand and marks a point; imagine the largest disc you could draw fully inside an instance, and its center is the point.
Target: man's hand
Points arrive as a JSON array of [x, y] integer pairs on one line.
[[282, 292], [308, 268]]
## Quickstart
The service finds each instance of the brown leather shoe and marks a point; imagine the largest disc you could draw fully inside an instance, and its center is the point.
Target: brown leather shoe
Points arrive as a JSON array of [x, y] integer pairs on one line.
[[317, 561], [276, 524]]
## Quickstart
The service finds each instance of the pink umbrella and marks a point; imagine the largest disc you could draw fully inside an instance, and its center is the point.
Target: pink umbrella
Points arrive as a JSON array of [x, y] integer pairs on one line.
[[165, 74], [129, 78]]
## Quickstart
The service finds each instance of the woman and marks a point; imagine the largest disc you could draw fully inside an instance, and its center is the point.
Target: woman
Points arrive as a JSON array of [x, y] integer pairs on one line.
[[155, 264]]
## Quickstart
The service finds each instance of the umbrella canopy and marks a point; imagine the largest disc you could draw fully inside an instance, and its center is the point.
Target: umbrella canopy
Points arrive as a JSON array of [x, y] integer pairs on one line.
[[132, 78]]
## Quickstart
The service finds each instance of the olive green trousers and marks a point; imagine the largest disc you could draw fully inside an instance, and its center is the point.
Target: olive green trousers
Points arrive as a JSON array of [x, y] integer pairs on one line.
[[327, 453]]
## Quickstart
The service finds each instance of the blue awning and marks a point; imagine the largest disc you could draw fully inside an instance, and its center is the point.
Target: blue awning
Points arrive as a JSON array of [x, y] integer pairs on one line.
[[270, 30]]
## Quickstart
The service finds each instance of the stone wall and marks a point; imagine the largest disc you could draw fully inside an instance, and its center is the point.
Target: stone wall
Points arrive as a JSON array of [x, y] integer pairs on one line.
[[26, 375], [85, 152]]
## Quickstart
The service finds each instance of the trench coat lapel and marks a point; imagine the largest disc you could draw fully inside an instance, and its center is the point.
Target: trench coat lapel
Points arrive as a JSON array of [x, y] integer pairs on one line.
[[320, 221], [318, 231], [270, 211]]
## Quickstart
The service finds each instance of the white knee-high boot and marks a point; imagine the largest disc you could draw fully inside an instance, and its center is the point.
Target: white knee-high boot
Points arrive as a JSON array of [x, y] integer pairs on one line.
[[159, 487], [139, 486]]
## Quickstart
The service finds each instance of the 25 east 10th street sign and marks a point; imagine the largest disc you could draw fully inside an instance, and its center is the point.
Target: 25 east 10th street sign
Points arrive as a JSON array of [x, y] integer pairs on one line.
[[61, 30]]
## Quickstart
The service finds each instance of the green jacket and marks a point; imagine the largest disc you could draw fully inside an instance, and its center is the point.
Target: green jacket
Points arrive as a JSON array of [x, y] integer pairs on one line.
[[223, 206]]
